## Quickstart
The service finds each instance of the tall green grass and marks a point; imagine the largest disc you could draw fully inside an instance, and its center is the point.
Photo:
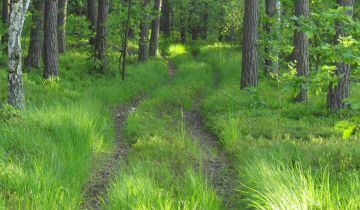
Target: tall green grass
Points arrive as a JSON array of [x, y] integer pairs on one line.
[[46, 151], [289, 156], [163, 170]]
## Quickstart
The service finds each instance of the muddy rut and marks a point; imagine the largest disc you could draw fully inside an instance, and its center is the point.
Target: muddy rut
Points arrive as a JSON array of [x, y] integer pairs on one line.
[[107, 167], [217, 166]]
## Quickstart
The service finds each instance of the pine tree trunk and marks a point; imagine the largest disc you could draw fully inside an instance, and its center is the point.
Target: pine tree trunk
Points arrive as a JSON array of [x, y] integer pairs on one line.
[[16, 96], [155, 28], [270, 13], [51, 39], [5, 11], [166, 18], [205, 21], [61, 21], [36, 36], [92, 16], [301, 49], [249, 76], [5, 20], [143, 37], [100, 46], [340, 91]]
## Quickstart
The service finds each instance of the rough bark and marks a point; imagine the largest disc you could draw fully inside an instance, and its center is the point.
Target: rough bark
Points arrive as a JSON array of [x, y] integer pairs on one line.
[[271, 11], [5, 11], [50, 39], [143, 37], [155, 29], [100, 45], [92, 16], [249, 75], [125, 41], [36, 36], [340, 91], [301, 49], [61, 21], [16, 96], [166, 18]]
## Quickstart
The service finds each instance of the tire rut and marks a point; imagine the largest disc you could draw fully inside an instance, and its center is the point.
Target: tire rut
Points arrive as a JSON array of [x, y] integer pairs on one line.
[[108, 166], [217, 166]]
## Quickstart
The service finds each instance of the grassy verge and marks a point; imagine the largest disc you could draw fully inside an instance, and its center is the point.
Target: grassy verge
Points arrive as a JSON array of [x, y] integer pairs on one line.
[[289, 156], [46, 151], [163, 170]]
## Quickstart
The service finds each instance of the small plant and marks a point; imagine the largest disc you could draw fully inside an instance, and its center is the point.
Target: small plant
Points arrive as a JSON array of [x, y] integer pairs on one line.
[[8, 112]]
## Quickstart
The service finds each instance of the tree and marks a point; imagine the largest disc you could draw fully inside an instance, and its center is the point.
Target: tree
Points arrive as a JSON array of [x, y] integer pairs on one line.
[[301, 48], [16, 96], [144, 34], [166, 18], [249, 76], [272, 9], [92, 16], [340, 91], [5, 20], [100, 45], [5, 11], [51, 39], [61, 21], [125, 41], [36, 35], [155, 28]]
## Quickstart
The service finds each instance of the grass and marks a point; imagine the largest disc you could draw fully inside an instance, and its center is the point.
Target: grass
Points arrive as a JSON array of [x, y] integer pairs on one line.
[[289, 156], [163, 165], [67, 124]]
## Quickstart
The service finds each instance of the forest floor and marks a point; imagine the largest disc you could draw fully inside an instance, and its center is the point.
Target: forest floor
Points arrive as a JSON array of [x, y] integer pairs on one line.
[[106, 168], [217, 166]]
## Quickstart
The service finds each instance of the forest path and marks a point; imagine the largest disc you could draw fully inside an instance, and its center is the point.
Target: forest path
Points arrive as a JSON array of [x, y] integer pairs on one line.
[[107, 167], [217, 165]]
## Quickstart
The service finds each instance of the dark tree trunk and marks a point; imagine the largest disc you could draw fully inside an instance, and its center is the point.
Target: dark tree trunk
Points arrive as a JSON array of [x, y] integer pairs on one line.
[[92, 16], [5, 20], [143, 37], [100, 46], [16, 96], [50, 39], [205, 21], [5, 11], [125, 41], [155, 28], [62, 8], [301, 49], [166, 18], [249, 76], [340, 91], [36, 37], [270, 12]]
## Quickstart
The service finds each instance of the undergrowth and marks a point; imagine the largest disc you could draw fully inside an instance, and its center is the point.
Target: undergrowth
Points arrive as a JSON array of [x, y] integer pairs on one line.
[[47, 150]]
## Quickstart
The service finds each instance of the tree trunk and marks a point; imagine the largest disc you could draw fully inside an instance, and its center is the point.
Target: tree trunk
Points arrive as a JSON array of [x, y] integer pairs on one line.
[[36, 36], [340, 91], [5, 11], [301, 49], [92, 16], [271, 11], [50, 39], [143, 37], [155, 28], [100, 46], [16, 96], [249, 76], [5, 20], [205, 21], [125, 41], [61, 21], [166, 18]]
